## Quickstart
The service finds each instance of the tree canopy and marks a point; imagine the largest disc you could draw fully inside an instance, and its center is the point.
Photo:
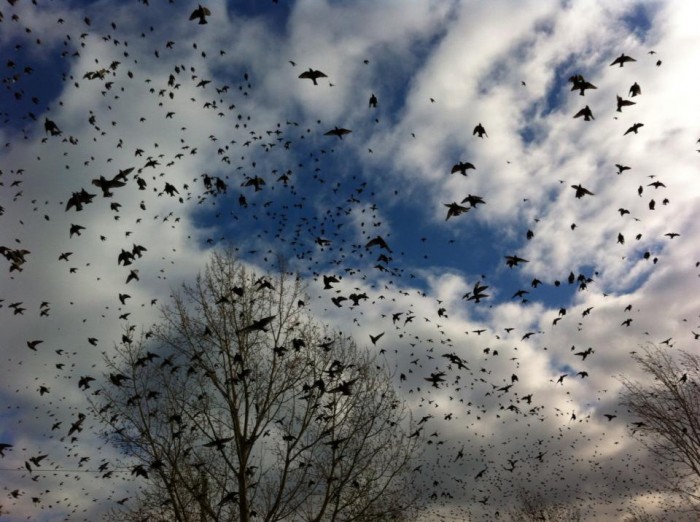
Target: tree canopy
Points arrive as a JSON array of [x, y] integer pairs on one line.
[[240, 404]]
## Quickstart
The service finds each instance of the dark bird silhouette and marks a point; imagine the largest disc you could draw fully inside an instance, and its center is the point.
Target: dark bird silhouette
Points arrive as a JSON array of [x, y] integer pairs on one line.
[[84, 382], [474, 200], [462, 168], [51, 128], [635, 90], [477, 293], [218, 443], [375, 338], [78, 199], [200, 13], [75, 230], [328, 281], [453, 209], [634, 128], [337, 131], [621, 102], [378, 241], [344, 388], [579, 83], [621, 168], [512, 261], [479, 129], [581, 191], [312, 75], [586, 113], [259, 325], [622, 60], [33, 344], [436, 378], [4, 446], [373, 101], [107, 184]]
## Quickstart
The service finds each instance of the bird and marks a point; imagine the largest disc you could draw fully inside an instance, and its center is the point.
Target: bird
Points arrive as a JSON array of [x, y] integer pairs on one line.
[[344, 388], [377, 241], [621, 102], [51, 128], [462, 167], [453, 209], [375, 338], [635, 90], [512, 261], [373, 101], [474, 200], [337, 131], [33, 344], [312, 75], [634, 128], [436, 378], [257, 325], [621, 168], [480, 131], [581, 191], [117, 181], [622, 60], [579, 83], [586, 113], [218, 443], [200, 13]]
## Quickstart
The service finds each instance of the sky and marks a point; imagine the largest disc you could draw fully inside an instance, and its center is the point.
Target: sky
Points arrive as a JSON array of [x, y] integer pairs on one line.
[[137, 85]]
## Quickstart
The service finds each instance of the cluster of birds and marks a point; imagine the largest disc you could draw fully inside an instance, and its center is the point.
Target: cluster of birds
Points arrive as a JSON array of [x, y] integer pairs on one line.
[[273, 192]]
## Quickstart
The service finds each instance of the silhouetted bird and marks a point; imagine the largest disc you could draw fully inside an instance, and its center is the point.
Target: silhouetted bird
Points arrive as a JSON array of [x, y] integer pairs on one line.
[[586, 113], [337, 131], [200, 13], [479, 129], [581, 191], [635, 90], [622, 60], [312, 75], [259, 325], [623, 103], [462, 167], [634, 128]]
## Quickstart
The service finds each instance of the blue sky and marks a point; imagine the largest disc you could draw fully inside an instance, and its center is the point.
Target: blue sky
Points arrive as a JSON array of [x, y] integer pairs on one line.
[[437, 69]]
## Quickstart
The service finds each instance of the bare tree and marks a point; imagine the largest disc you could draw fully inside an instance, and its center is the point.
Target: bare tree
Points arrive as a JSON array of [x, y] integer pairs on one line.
[[535, 508], [239, 404], [668, 409]]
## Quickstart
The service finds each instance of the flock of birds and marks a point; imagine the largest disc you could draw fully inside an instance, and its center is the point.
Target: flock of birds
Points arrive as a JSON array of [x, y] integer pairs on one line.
[[273, 192]]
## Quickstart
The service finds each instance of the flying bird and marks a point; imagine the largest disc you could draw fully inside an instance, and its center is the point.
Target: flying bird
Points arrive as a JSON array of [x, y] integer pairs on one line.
[[337, 131], [634, 128], [479, 129], [635, 90], [462, 167], [258, 325], [453, 209], [51, 128], [579, 83], [512, 261], [622, 60], [200, 13], [586, 113], [312, 75], [581, 191], [621, 102]]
